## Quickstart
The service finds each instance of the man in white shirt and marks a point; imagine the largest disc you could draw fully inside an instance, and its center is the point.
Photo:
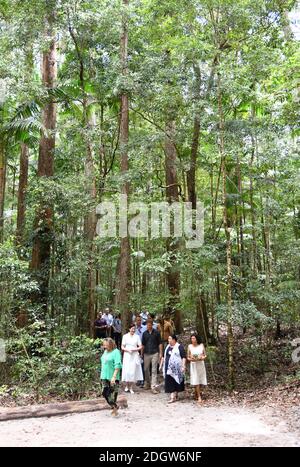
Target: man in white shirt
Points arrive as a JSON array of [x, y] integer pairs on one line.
[[144, 315], [109, 320]]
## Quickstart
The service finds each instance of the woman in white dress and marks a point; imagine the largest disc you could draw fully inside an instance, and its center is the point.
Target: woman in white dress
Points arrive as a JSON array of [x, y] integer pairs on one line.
[[132, 367], [196, 356]]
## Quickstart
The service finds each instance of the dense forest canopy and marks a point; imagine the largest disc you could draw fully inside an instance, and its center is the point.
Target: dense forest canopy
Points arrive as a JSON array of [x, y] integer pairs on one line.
[[169, 100]]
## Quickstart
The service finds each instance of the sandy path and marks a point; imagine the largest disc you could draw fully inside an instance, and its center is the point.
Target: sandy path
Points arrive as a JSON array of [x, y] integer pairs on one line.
[[150, 422]]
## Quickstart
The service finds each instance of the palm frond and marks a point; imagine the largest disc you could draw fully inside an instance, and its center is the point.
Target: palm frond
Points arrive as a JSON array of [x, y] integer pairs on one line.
[[27, 110], [22, 128], [63, 93]]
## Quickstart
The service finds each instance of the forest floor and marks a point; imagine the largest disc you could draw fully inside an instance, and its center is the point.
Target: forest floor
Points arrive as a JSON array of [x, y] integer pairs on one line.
[[150, 421]]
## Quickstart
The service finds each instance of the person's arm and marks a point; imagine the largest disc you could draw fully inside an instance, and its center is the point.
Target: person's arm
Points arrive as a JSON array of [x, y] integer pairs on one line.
[[160, 351], [189, 356], [113, 380], [183, 357], [123, 346], [117, 365], [161, 364], [160, 346], [139, 344], [143, 345]]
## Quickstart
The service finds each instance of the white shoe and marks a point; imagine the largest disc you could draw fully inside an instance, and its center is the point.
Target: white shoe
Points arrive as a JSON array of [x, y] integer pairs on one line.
[[126, 389], [131, 391]]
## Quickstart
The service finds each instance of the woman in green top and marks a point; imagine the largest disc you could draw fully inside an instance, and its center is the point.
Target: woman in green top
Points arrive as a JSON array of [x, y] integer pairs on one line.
[[111, 364]]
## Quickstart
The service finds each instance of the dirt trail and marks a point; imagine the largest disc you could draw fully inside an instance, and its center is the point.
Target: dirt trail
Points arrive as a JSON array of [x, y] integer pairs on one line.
[[149, 421]]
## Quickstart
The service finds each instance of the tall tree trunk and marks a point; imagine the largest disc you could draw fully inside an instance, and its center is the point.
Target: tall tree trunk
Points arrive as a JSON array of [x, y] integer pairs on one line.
[[123, 276], [2, 187], [201, 308], [40, 261], [23, 180], [239, 219], [173, 274], [202, 324], [253, 252], [22, 316], [90, 224], [227, 226], [191, 174]]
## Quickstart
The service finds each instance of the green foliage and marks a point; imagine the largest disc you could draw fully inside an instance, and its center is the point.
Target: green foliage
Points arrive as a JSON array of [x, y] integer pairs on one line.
[[48, 364], [16, 286], [186, 61], [245, 314]]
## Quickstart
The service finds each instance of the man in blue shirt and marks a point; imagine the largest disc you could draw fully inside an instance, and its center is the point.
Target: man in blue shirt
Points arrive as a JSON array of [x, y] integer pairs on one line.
[[139, 327]]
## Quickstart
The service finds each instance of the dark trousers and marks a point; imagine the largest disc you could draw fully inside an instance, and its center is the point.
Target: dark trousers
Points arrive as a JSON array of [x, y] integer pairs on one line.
[[100, 335], [110, 392], [117, 336]]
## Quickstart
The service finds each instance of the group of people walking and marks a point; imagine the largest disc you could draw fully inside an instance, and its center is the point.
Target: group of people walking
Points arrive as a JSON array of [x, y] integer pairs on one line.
[[148, 348]]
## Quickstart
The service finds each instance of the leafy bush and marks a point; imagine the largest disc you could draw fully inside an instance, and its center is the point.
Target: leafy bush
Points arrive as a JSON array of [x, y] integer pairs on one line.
[[42, 363], [245, 314]]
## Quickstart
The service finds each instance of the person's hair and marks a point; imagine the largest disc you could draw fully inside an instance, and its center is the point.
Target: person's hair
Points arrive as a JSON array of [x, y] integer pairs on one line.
[[118, 315], [174, 337], [111, 343], [149, 320], [197, 337], [132, 325]]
